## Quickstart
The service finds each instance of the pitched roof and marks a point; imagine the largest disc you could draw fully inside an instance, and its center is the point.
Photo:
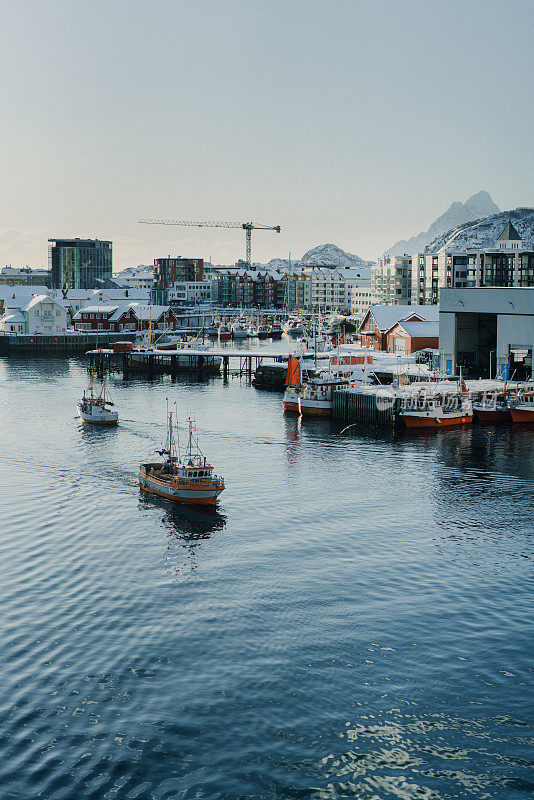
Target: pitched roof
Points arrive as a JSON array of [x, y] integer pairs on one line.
[[420, 329], [386, 316], [509, 233], [18, 316], [94, 310]]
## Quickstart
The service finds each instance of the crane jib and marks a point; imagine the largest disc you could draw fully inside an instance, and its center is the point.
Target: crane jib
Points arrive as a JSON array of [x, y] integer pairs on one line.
[[248, 227]]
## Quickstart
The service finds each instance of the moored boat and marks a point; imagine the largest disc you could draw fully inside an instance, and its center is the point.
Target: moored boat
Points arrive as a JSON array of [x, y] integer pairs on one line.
[[312, 397], [187, 479], [522, 408], [225, 333], [493, 408], [96, 407], [438, 411], [239, 331]]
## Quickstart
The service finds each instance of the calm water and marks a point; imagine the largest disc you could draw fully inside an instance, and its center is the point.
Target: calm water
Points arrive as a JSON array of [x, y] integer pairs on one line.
[[355, 621]]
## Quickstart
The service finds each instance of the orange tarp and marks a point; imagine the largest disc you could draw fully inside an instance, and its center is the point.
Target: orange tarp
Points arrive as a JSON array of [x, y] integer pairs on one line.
[[293, 372]]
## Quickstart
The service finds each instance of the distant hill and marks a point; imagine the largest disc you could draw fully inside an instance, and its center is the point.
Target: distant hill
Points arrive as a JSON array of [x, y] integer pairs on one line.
[[484, 232], [477, 207], [324, 255]]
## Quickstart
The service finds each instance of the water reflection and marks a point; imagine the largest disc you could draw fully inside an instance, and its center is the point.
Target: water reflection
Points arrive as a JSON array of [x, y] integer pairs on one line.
[[188, 528], [292, 430]]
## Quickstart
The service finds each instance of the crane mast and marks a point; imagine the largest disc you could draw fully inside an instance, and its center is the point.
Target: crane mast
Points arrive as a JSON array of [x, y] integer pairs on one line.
[[248, 227]]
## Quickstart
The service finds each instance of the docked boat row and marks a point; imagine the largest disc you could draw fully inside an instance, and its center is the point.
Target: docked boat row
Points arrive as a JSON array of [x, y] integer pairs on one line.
[[310, 391], [244, 328]]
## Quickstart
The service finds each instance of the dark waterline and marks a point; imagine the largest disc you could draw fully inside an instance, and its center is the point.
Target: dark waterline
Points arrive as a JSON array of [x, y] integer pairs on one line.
[[353, 621]]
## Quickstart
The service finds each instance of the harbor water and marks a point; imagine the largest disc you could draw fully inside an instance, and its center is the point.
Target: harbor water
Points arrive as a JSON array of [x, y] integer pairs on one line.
[[354, 621]]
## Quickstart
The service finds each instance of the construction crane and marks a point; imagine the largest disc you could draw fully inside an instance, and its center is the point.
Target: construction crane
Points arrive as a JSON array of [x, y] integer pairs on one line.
[[248, 227]]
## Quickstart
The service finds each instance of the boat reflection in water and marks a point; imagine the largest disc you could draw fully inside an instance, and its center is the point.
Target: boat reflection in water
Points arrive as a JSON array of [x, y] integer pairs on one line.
[[187, 529]]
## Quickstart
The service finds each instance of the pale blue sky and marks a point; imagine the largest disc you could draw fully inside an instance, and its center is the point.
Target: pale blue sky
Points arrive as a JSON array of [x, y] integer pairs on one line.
[[349, 122]]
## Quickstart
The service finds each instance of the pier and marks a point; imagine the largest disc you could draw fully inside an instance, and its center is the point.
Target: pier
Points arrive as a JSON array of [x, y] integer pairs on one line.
[[207, 362]]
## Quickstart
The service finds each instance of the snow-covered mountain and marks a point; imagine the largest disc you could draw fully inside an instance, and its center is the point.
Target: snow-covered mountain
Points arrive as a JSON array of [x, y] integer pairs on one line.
[[478, 206], [324, 255], [484, 232], [330, 255]]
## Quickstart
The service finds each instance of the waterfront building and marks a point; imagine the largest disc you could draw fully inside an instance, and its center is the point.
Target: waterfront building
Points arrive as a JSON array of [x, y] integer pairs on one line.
[[433, 271], [361, 299], [18, 296], [392, 280], [379, 320], [79, 263], [331, 288], [125, 317], [405, 338], [487, 332], [40, 314], [25, 276], [142, 279], [75, 299]]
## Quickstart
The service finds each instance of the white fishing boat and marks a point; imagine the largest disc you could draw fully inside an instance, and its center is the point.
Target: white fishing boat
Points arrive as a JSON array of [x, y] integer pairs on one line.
[[96, 407], [313, 396]]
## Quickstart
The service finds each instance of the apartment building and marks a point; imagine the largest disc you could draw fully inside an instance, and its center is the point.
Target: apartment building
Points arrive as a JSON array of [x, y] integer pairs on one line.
[[392, 281]]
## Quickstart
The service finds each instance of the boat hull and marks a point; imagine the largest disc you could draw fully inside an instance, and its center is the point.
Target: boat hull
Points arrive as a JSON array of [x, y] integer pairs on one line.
[[110, 418], [522, 414], [290, 405], [416, 421], [316, 409], [485, 415]]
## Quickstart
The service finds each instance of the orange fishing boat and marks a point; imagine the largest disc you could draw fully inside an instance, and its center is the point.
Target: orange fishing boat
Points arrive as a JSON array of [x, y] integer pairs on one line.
[[522, 408], [294, 389], [188, 479]]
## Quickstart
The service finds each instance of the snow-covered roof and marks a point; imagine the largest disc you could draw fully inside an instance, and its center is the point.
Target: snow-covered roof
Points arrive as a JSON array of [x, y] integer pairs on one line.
[[125, 294], [143, 312], [39, 299], [386, 316], [18, 316], [94, 310], [509, 234], [120, 310], [21, 293], [418, 329]]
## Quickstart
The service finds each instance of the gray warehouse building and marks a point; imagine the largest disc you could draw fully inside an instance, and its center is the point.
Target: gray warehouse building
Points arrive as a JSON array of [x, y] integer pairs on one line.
[[487, 332]]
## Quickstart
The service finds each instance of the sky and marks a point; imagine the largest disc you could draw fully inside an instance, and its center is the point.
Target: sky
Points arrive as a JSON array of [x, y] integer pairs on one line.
[[342, 121]]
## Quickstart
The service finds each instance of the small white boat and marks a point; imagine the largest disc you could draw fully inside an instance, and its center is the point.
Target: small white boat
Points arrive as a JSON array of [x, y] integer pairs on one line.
[[97, 408]]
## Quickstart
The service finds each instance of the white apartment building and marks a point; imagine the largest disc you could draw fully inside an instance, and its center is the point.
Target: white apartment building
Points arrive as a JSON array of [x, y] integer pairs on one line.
[[330, 289], [392, 281], [361, 299], [507, 264], [194, 293]]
